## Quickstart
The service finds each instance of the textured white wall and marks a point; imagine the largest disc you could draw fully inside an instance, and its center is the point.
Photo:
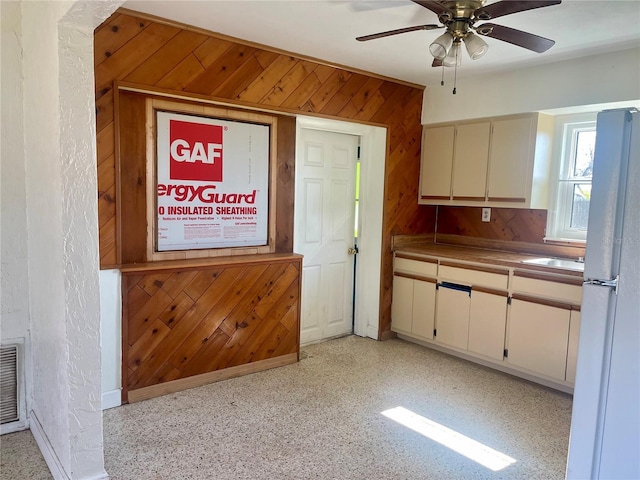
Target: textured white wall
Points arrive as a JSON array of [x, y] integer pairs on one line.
[[62, 226], [14, 281], [111, 337], [603, 78]]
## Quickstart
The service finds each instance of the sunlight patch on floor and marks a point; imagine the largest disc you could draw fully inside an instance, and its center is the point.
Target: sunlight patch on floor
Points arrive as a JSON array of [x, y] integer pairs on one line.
[[468, 447]]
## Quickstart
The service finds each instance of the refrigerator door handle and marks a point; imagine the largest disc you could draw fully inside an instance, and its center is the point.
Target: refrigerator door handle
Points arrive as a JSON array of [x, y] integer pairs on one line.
[[613, 283]]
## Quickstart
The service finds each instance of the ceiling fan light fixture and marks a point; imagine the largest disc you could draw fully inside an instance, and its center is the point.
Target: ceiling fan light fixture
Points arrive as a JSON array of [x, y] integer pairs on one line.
[[454, 57], [476, 46], [441, 46]]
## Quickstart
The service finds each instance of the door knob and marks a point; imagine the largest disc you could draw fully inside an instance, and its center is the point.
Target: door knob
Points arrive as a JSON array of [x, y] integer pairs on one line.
[[352, 250]]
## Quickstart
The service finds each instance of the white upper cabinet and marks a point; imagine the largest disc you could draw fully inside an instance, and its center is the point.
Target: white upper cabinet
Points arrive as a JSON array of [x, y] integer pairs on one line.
[[437, 163], [470, 160], [501, 161]]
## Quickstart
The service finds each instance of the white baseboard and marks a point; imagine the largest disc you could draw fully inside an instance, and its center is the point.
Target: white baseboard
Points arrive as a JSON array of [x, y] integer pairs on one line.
[[50, 457], [55, 467], [111, 399]]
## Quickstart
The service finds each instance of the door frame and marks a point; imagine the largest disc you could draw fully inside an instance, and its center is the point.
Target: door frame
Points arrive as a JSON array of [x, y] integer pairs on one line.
[[373, 148]]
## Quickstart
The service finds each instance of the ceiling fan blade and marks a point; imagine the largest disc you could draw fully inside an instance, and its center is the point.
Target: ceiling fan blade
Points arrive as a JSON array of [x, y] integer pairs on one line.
[[516, 37], [373, 36], [507, 7], [435, 7]]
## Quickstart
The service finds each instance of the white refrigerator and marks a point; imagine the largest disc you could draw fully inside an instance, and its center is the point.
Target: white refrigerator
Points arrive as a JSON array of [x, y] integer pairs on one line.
[[605, 425]]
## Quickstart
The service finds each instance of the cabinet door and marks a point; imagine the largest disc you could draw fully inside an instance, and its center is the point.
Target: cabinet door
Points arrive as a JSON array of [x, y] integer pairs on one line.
[[487, 322], [452, 316], [402, 304], [509, 162], [538, 336], [424, 308], [572, 351], [437, 160], [470, 161]]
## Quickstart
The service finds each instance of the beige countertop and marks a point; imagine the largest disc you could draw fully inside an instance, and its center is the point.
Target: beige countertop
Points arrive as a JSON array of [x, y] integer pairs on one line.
[[482, 255]]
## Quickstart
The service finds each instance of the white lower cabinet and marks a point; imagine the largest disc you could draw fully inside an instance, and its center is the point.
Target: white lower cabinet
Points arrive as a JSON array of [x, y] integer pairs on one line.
[[413, 306], [572, 351], [452, 314], [487, 323], [424, 307], [538, 336]]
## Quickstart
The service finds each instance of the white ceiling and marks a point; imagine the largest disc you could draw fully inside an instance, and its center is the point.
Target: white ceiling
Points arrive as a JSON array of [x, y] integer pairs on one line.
[[326, 29]]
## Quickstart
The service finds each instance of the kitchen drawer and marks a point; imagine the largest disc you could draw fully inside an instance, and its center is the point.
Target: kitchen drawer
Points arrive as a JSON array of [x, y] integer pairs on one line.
[[474, 275], [569, 289], [416, 266]]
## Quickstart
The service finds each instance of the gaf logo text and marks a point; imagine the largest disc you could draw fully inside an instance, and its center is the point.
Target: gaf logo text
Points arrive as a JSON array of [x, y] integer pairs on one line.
[[195, 151]]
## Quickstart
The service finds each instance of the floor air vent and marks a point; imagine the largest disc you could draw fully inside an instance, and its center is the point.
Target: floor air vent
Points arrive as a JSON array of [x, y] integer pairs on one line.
[[9, 384]]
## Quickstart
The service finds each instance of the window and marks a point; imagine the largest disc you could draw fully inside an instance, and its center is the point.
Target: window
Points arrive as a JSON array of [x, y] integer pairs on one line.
[[574, 149]]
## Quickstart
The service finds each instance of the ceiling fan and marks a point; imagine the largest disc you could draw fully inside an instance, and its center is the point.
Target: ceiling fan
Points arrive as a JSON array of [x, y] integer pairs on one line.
[[459, 18]]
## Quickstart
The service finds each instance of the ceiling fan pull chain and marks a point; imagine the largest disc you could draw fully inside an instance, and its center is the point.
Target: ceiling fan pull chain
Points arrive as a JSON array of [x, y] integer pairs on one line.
[[442, 79], [455, 73]]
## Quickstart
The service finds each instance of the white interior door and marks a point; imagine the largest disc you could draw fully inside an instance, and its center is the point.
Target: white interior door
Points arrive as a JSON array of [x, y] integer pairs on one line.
[[324, 231]]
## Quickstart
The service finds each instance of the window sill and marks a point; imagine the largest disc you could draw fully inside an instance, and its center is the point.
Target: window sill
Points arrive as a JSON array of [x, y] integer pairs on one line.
[[565, 242]]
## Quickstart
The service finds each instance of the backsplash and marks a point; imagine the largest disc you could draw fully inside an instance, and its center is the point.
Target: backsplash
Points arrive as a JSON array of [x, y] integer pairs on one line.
[[507, 224]]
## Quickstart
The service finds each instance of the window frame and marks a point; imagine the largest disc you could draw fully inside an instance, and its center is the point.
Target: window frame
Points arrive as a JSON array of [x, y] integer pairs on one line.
[[562, 181]]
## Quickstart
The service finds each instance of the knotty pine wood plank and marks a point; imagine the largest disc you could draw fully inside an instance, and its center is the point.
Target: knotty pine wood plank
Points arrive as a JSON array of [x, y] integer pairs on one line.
[[106, 174], [104, 110], [287, 84], [136, 299], [166, 374], [220, 70], [132, 54], [131, 162], [303, 92], [182, 74], [344, 94], [285, 182], [265, 82], [207, 314], [107, 241], [288, 345], [240, 79], [138, 323], [286, 301], [393, 97], [113, 34], [348, 111], [323, 72], [241, 352], [262, 288], [328, 89], [266, 58], [146, 344], [176, 310], [370, 107], [207, 359], [177, 282], [370, 87], [158, 358], [105, 142], [211, 50], [163, 60], [130, 281], [276, 291], [106, 206], [152, 282], [265, 348], [203, 280]]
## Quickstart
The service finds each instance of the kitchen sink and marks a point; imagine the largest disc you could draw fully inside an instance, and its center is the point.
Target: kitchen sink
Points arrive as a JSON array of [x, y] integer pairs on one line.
[[557, 263]]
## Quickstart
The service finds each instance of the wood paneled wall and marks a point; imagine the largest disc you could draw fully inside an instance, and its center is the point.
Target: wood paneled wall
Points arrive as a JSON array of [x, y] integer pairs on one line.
[[508, 224], [188, 322], [158, 54]]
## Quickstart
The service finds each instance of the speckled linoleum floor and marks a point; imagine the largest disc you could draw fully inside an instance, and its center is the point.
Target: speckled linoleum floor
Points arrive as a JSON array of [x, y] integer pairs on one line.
[[321, 419]]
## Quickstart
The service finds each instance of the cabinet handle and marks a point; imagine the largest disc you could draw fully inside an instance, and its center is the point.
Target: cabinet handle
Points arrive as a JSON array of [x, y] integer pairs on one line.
[[455, 286]]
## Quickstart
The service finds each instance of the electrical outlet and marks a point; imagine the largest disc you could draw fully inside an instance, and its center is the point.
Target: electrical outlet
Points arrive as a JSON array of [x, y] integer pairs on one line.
[[486, 214]]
